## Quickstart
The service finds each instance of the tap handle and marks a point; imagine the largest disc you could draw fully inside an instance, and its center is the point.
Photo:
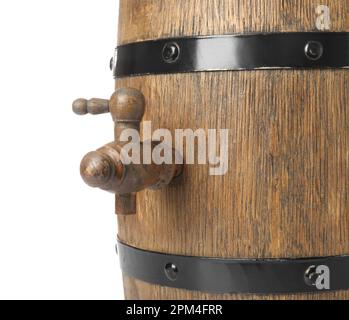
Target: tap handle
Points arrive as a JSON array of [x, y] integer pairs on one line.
[[93, 106]]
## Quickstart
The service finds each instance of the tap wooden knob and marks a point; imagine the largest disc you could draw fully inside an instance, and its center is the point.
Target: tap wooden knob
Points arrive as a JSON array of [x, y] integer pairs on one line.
[[127, 105], [94, 106], [103, 167], [96, 169]]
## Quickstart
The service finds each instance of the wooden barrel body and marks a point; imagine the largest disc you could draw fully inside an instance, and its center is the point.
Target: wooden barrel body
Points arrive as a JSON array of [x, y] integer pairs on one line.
[[286, 192]]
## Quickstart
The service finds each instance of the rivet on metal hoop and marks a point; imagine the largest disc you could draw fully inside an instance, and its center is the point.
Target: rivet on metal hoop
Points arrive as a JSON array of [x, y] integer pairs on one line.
[[170, 52], [314, 50], [113, 62], [311, 276], [171, 271]]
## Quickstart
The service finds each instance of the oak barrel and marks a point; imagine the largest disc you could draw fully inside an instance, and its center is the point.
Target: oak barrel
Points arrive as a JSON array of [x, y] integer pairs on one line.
[[286, 192]]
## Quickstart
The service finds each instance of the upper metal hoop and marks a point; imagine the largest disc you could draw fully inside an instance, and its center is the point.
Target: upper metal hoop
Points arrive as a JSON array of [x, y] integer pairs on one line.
[[234, 52]]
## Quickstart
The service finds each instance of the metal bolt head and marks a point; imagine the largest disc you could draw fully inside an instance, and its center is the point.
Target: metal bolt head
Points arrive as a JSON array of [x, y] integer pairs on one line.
[[311, 276], [170, 52], [171, 271], [314, 50], [111, 64]]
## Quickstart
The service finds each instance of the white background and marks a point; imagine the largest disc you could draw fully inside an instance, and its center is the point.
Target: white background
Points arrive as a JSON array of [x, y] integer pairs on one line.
[[57, 236]]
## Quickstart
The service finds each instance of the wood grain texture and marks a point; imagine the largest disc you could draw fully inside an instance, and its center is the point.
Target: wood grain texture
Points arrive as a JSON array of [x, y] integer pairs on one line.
[[286, 192], [153, 19]]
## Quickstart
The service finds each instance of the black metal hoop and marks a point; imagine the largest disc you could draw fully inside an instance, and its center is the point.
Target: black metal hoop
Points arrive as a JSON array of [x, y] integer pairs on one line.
[[235, 276], [234, 52]]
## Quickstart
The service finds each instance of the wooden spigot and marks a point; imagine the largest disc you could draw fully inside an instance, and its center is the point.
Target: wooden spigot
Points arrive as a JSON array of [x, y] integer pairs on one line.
[[106, 168]]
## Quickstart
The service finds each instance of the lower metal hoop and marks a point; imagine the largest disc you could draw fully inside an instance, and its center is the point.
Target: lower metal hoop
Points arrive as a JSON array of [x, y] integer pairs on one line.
[[271, 276]]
